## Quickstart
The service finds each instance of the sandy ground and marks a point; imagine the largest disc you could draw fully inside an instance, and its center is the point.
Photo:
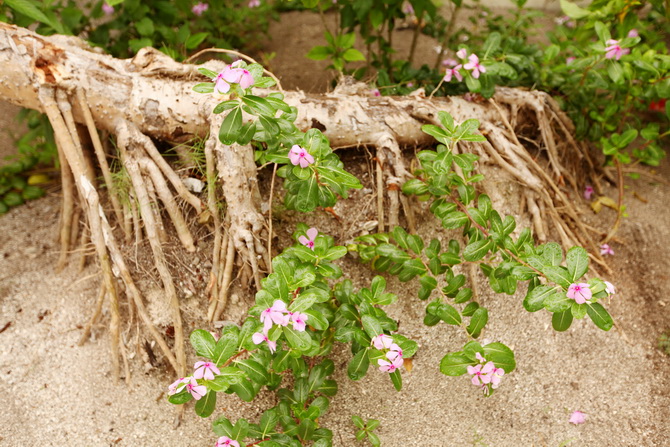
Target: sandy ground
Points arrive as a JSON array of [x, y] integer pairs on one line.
[[57, 393]]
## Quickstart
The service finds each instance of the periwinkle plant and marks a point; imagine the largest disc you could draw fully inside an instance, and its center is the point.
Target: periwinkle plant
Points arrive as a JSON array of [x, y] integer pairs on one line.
[[302, 310]]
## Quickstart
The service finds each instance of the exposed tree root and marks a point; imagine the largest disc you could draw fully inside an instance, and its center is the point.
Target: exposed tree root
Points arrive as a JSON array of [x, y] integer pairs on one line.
[[149, 98]]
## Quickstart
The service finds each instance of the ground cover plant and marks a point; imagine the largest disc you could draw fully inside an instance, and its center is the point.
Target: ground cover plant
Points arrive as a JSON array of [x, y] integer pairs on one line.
[[300, 310]]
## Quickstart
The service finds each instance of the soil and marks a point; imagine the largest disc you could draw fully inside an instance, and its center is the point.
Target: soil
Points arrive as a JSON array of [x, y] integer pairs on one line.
[[57, 393]]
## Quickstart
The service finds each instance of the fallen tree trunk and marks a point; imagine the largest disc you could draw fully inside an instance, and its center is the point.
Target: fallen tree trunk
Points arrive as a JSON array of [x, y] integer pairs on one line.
[[150, 97]]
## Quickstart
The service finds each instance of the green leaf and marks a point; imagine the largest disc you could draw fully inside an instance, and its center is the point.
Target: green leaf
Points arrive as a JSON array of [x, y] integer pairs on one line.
[[352, 55], [455, 364], [269, 421], [358, 422], [203, 342], [577, 260], [558, 302], [145, 27], [358, 366], [501, 356], [225, 105], [259, 105], [225, 348], [396, 378], [372, 325], [205, 406], [30, 9], [534, 300], [474, 251], [316, 320], [256, 372], [573, 11], [319, 53], [205, 87], [180, 398], [559, 275], [374, 439], [615, 72], [301, 341], [470, 309], [578, 310], [478, 321], [600, 316], [561, 321], [246, 133], [231, 126], [195, 40], [449, 314]]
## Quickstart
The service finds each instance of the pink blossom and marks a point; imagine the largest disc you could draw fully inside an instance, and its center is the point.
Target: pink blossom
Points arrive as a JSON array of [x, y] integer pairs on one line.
[[199, 8], [496, 375], [609, 288], [565, 20], [391, 366], [205, 370], [375, 92], [569, 60], [232, 74], [178, 385], [453, 72], [395, 351], [581, 292], [614, 50], [474, 66], [225, 441], [197, 391], [309, 240], [254, 3], [450, 62], [462, 53], [480, 373], [298, 320], [633, 33], [577, 417], [479, 357], [407, 8], [107, 9], [277, 314], [410, 84], [605, 249], [300, 156], [382, 341], [588, 192], [260, 337]]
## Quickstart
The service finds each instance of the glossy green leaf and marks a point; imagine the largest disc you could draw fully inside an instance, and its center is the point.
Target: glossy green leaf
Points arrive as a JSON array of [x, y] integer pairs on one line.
[[561, 321], [358, 366]]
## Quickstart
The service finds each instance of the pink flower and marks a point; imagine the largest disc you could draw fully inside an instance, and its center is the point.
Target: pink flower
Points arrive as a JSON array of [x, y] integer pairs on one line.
[[410, 84], [254, 3], [480, 373], [225, 441], [177, 386], [199, 8], [450, 62], [614, 50], [382, 341], [474, 66], [277, 314], [298, 320], [496, 375], [605, 249], [479, 357], [569, 60], [300, 156], [462, 53], [395, 351], [205, 370], [581, 292], [407, 8], [453, 72], [260, 337], [197, 391], [588, 192], [577, 417], [609, 288], [232, 75], [107, 9], [391, 366], [311, 237], [633, 33], [375, 92]]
